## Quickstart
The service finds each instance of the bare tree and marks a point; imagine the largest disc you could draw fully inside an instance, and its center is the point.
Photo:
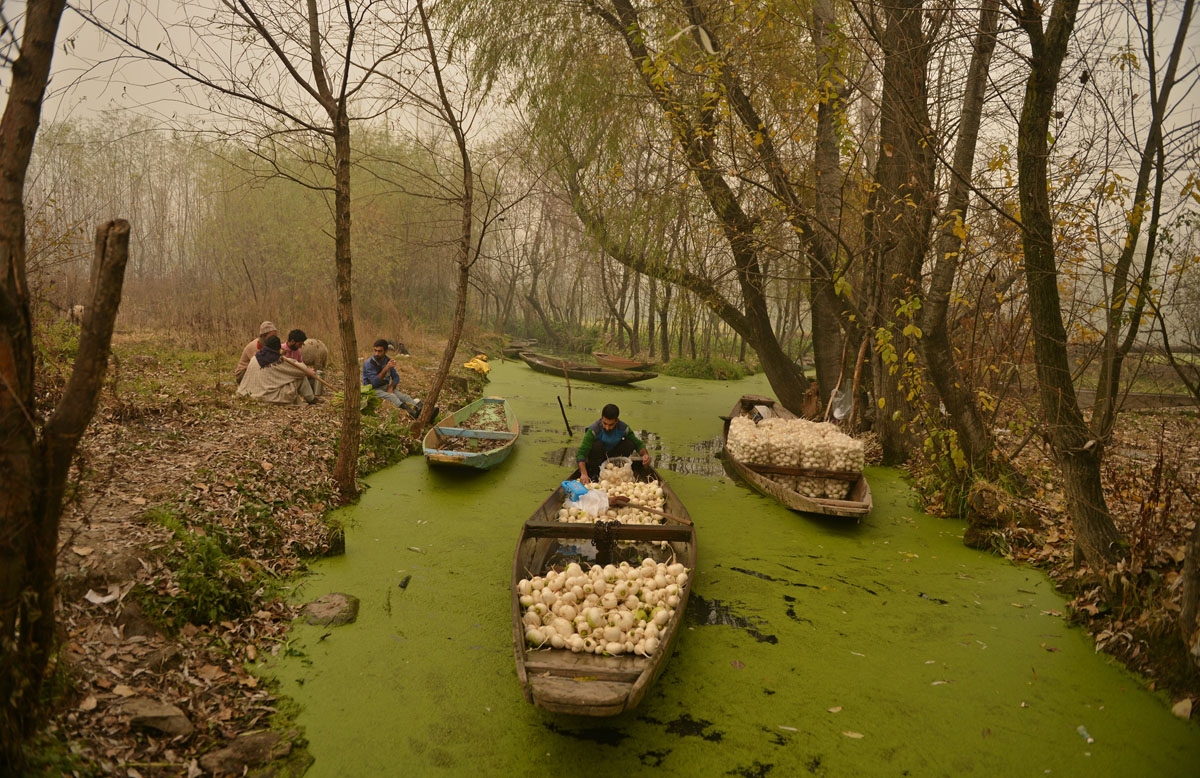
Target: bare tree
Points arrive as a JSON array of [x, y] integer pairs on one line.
[[310, 68], [1076, 452]]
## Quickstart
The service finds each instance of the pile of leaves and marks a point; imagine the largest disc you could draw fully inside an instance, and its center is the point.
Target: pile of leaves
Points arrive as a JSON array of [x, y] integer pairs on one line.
[[1152, 486]]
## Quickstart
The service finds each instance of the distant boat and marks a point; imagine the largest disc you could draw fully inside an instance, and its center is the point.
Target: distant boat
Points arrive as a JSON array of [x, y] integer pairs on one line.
[[583, 684], [620, 363], [771, 480], [580, 372], [513, 350], [480, 435]]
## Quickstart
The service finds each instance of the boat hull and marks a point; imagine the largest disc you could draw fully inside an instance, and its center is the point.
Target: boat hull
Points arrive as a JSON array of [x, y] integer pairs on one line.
[[620, 363], [579, 372]]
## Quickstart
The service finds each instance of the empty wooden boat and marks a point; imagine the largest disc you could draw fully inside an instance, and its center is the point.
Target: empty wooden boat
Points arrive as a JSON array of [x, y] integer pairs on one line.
[[618, 362], [579, 372]]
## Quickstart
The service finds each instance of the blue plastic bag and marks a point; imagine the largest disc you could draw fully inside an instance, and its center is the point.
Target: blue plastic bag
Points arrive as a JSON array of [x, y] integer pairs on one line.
[[574, 489]]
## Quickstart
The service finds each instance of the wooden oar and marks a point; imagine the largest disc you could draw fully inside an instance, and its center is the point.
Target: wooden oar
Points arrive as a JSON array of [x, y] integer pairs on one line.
[[621, 501]]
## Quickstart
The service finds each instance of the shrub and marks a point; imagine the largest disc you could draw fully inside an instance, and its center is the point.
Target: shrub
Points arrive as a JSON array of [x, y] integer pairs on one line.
[[711, 369], [208, 586]]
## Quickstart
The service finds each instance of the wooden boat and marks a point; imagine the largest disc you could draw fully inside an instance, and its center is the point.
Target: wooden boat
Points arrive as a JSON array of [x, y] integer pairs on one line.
[[618, 362], [766, 479], [585, 684], [480, 435], [580, 372], [513, 350]]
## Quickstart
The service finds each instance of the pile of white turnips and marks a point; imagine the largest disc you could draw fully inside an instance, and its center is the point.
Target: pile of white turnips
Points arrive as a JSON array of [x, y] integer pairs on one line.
[[798, 443], [617, 479], [610, 610]]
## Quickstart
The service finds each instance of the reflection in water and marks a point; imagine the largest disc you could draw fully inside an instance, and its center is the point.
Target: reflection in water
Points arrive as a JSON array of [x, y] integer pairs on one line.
[[705, 464], [708, 613]]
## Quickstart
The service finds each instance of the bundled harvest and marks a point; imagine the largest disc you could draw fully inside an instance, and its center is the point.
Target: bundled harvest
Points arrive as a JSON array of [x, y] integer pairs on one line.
[[617, 470], [617, 480], [798, 443], [610, 610]]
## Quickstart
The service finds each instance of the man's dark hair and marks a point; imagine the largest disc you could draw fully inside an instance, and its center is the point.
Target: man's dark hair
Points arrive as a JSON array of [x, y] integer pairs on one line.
[[273, 343], [383, 342], [611, 412], [297, 335]]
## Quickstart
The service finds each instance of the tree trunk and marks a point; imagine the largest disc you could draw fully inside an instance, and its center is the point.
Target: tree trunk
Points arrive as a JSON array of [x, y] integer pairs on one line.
[[1076, 453], [463, 252], [29, 512], [901, 214], [1189, 611], [973, 435], [345, 470], [828, 342]]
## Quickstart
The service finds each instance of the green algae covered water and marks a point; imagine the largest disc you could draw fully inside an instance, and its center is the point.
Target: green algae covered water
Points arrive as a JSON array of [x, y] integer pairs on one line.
[[813, 646]]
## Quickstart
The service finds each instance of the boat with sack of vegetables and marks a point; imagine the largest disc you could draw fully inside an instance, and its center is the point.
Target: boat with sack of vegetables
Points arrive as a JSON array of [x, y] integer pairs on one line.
[[480, 435], [807, 466], [599, 588]]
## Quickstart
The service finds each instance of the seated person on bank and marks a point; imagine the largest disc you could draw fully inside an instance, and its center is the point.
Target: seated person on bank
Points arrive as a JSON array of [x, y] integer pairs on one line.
[[265, 330], [607, 437], [292, 349], [379, 373], [272, 377]]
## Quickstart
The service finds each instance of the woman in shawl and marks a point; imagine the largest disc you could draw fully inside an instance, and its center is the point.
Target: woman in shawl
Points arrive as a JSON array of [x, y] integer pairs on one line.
[[272, 377]]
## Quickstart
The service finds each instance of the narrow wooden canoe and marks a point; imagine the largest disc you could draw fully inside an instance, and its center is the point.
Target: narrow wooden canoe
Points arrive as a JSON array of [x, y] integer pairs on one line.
[[480, 435], [583, 684], [620, 363], [580, 372], [857, 502], [513, 350]]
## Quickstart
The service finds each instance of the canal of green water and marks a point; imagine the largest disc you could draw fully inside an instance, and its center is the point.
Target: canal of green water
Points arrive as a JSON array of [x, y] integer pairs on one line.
[[813, 647]]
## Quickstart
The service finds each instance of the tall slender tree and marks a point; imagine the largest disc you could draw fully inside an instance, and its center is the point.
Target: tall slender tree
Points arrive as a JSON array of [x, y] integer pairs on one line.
[[1077, 454]]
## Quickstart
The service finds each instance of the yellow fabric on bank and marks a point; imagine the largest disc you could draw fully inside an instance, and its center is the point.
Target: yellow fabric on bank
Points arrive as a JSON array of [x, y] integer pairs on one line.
[[479, 365]]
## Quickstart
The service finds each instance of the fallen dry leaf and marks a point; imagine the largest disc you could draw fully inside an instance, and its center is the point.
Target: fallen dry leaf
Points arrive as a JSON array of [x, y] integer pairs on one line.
[[1183, 708], [835, 709], [88, 703], [82, 550], [121, 690], [855, 735], [736, 665], [95, 597]]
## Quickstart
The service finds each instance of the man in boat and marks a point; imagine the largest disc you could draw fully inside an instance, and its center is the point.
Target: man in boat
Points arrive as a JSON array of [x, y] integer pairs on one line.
[[272, 377], [265, 330], [607, 437], [379, 372]]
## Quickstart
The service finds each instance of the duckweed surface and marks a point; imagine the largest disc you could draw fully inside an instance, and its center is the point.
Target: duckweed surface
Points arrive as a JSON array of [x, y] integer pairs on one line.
[[814, 646]]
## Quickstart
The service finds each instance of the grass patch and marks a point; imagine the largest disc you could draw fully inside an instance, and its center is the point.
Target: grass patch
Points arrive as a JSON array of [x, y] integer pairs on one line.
[[716, 369], [206, 585]]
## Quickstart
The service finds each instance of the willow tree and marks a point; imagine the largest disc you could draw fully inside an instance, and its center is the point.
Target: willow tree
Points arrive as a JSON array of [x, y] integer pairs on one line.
[[727, 108]]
